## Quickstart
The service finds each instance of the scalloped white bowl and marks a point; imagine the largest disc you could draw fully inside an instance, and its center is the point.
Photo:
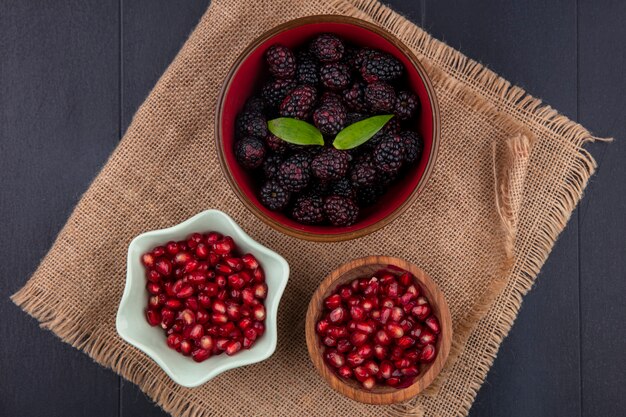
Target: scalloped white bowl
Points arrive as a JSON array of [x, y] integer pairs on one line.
[[131, 322]]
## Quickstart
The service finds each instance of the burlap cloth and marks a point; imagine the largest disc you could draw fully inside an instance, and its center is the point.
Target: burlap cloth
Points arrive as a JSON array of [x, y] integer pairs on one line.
[[509, 174]]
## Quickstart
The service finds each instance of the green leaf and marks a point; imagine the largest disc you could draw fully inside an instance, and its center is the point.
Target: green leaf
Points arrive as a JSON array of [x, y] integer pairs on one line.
[[360, 132], [295, 131]]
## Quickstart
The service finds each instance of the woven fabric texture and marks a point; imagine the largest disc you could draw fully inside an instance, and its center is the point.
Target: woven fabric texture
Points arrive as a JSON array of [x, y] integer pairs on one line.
[[509, 173]]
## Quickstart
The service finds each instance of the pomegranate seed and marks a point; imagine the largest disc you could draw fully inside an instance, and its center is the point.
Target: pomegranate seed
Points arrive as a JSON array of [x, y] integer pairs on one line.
[[406, 279], [202, 316], [344, 346], [345, 372], [192, 303], [213, 259], [235, 263], [333, 301], [433, 324], [219, 307], [225, 246], [174, 304], [368, 383], [219, 318], [153, 276], [387, 302], [196, 278], [223, 269], [421, 311], [351, 326], [334, 358], [322, 326], [405, 342], [233, 312], [259, 275], [200, 355], [382, 338], [367, 305], [196, 332], [260, 291], [371, 367], [204, 300], [172, 248], [154, 301], [245, 323], [212, 237], [329, 341], [259, 312], [167, 318], [173, 341], [416, 331], [338, 315], [259, 328], [158, 251], [221, 344], [220, 280], [147, 259], [190, 266], [185, 347], [182, 258], [394, 330], [421, 301], [392, 290], [358, 338], [188, 317], [247, 343], [354, 359], [372, 288], [250, 333], [345, 292], [397, 314], [428, 353], [413, 355], [163, 266], [185, 291], [385, 314], [410, 371], [386, 368], [353, 301], [393, 381], [233, 347], [427, 337], [154, 317], [235, 281], [375, 314], [357, 313], [360, 373], [249, 261], [396, 353], [153, 288], [366, 327], [402, 363], [211, 289], [407, 324], [202, 251], [366, 351], [380, 352], [169, 289]]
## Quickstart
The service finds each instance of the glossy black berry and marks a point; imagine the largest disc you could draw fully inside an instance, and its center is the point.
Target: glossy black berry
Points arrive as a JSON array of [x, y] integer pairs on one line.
[[355, 97], [340, 211], [280, 61], [250, 152], [299, 102], [308, 209], [271, 166], [380, 66], [342, 188], [255, 104], [251, 124], [307, 69], [381, 97], [330, 118], [330, 97], [274, 196], [295, 172], [276, 144], [275, 91], [327, 48], [368, 196], [406, 106], [413, 146], [363, 173], [335, 76], [389, 154], [330, 164]]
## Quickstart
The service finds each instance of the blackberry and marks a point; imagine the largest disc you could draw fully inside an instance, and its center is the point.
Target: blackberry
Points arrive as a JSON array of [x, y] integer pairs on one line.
[[271, 166], [308, 209], [255, 104], [413, 146], [276, 144], [368, 196], [380, 66], [319, 188], [250, 152], [360, 56], [274, 196], [299, 102], [295, 172], [275, 91], [363, 173], [406, 106], [380, 96], [280, 61], [330, 97], [354, 117], [251, 124], [307, 69], [343, 188], [335, 76], [330, 118], [330, 164], [391, 127], [327, 48], [389, 154], [355, 97], [340, 211]]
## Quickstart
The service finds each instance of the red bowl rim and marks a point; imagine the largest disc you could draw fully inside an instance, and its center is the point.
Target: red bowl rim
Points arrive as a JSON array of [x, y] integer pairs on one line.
[[353, 234]]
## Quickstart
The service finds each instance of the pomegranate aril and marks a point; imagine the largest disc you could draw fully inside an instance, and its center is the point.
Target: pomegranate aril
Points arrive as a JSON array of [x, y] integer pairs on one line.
[[158, 251], [153, 276], [222, 343], [344, 372], [196, 278], [357, 313], [219, 307], [371, 367], [386, 368], [380, 352], [345, 292], [182, 258], [224, 246], [353, 359], [360, 373], [200, 355], [233, 347], [337, 332], [334, 358], [236, 281], [410, 371], [397, 314], [249, 261], [196, 332], [192, 303], [185, 291], [247, 343], [190, 266], [218, 318], [344, 346], [394, 330], [358, 338], [368, 383], [385, 315], [382, 337], [153, 317], [167, 318], [260, 291], [147, 259], [223, 269], [202, 251], [393, 381], [367, 304], [202, 317], [402, 363], [187, 316], [396, 353], [413, 355], [259, 312], [154, 301], [392, 290], [173, 341], [173, 303], [233, 311], [185, 347], [338, 315], [245, 323], [204, 300], [212, 237], [235, 263], [433, 324], [421, 312], [259, 328], [211, 289], [153, 288], [371, 290], [333, 302], [405, 342], [163, 266], [428, 353], [366, 327], [427, 337], [172, 248], [250, 333], [247, 296], [322, 326], [366, 351], [169, 289], [406, 279], [329, 341]]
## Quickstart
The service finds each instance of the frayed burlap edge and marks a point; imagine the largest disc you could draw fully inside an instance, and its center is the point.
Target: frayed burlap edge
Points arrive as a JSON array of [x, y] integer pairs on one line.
[[491, 91]]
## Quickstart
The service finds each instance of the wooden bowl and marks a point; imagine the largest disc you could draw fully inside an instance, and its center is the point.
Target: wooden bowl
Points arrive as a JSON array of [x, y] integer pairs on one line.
[[247, 74], [368, 266]]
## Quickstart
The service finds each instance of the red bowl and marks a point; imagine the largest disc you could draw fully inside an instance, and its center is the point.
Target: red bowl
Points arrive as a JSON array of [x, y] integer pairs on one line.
[[243, 80]]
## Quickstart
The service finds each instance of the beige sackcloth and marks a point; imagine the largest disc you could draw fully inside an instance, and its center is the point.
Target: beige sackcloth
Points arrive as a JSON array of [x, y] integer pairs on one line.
[[510, 172]]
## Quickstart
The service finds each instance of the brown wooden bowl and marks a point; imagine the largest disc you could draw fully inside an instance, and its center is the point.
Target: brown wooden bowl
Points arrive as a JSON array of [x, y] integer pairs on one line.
[[364, 267], [248, 73]]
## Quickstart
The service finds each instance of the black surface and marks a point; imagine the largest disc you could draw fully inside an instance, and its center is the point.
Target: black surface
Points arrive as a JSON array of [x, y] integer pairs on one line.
[[72, 74]]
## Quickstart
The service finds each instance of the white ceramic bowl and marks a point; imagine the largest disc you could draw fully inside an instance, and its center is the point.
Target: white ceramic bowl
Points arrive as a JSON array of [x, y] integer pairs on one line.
[[131, 323]]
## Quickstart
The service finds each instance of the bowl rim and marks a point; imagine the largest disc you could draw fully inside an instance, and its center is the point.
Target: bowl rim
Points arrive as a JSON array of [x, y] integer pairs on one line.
[[424, 379], [271, 325], [436, 121]]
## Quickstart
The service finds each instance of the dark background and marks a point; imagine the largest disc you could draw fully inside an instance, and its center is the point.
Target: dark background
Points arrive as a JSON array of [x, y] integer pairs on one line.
[[73, 72]]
